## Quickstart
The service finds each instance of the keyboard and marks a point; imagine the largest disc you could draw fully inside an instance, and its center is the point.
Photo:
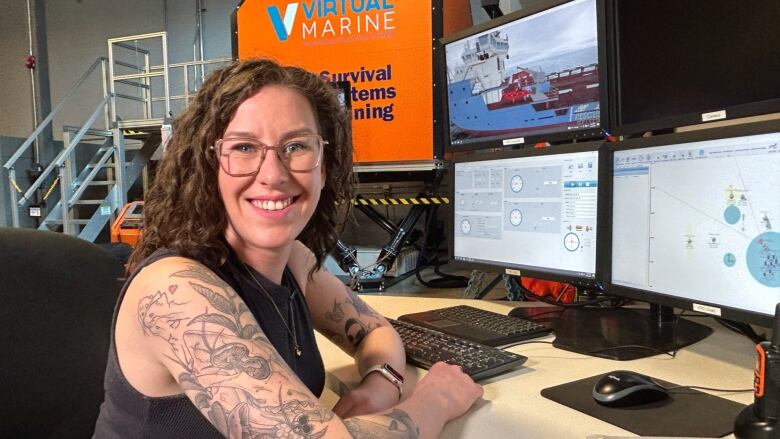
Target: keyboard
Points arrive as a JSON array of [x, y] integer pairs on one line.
[[424, 347], [478, 325]]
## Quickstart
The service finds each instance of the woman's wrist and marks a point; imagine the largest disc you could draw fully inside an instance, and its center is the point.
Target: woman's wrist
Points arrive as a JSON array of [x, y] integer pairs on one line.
[[387, 372], [380, 387]]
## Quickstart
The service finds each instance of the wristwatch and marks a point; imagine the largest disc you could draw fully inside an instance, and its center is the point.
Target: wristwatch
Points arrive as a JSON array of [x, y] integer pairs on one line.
[[390, 374]]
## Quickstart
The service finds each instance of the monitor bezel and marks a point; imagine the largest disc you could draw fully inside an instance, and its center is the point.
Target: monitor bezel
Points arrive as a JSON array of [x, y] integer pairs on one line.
[[727, 312], [603, 244], [554, 137], [665, 123]]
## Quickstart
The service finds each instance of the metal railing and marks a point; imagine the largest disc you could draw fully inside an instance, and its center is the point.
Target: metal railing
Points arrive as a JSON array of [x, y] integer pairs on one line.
[[141, 78], [195, 65], [10, 165]]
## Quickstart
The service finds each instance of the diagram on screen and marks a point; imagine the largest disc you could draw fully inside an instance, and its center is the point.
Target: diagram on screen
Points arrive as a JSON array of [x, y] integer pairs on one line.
[[722, 215]]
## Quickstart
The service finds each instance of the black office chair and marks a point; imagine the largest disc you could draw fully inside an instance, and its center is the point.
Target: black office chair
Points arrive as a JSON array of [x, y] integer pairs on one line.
[[57, 295]]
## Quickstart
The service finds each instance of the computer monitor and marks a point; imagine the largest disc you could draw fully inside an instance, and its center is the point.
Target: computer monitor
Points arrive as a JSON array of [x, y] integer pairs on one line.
[[533, 212], [534, 75], [687, 62], [696, 221]]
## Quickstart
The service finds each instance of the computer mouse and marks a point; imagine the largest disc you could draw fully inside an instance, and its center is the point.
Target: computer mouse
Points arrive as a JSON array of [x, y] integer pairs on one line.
[[623, 388]]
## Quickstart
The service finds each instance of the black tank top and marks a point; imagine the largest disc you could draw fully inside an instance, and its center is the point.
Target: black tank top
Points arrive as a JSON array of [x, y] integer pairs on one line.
[[126, 413]]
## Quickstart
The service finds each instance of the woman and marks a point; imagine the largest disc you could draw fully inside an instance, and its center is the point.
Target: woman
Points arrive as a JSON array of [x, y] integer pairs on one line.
[[213, 332]]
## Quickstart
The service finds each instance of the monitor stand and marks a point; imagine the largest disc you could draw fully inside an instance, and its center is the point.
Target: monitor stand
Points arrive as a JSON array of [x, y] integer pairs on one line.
[[617, 333]]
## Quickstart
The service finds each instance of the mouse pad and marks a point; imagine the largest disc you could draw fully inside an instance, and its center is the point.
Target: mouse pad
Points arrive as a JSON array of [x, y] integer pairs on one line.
[[686, 412]]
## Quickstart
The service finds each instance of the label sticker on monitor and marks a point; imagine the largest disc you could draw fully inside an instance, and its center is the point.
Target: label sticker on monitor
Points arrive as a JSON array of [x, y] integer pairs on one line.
[[706, 309], [513, 272], [515, 141], [713, 115]]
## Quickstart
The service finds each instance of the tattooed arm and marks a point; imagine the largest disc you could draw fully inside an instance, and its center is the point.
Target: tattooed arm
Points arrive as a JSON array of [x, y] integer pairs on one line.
[[359, 330], [194, 325]]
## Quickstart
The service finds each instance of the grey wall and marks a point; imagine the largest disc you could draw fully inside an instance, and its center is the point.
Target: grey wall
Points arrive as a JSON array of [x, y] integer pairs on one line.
[[76, 33], [15, 98]]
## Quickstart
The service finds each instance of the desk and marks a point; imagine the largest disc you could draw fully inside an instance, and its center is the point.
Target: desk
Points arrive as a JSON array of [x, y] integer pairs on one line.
[[512, 405]]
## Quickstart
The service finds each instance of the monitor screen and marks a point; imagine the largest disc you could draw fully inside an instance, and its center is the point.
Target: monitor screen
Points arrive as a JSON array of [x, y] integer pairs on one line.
[[687, 62], [528, 211], [526, 77], [696, 219]]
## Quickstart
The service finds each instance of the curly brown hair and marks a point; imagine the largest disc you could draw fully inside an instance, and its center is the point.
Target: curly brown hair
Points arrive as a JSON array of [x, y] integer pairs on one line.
[[183, 209]]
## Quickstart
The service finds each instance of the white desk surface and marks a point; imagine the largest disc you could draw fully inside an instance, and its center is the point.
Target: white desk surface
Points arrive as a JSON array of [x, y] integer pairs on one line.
[[512, 405]]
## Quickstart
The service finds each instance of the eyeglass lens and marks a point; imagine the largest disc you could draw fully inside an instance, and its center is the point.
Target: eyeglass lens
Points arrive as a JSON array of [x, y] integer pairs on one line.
[[242, 156]]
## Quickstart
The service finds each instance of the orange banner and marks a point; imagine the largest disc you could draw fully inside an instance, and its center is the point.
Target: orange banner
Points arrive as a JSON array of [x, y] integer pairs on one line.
[[383, 47]]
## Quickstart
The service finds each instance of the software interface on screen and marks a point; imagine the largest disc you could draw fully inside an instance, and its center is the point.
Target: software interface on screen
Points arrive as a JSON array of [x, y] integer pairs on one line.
[[529, 212], [700, 221], [536, 75]]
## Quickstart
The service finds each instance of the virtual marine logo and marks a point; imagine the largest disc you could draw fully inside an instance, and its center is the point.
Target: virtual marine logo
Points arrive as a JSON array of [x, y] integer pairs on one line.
[[333, 18]]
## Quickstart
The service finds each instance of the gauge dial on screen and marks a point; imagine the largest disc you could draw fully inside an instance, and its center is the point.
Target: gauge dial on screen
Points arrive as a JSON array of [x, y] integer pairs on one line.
[[515, 217], [465, 226], [571, 241], [516, 183]]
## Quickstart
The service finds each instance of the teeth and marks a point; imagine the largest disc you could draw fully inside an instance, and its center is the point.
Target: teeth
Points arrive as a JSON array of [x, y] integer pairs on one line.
[[272, 205]]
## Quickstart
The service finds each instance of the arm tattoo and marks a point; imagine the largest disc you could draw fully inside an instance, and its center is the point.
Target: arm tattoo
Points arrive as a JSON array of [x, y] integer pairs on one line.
[[359, 305], [228, 364], [336, 314], [399, 426], [356, 331], [357, 325]]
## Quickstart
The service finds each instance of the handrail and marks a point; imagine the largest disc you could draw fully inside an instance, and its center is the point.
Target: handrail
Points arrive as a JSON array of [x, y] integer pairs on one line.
[[22, 149], [131, 47], [60, 159], [195, 63], [91, 176]]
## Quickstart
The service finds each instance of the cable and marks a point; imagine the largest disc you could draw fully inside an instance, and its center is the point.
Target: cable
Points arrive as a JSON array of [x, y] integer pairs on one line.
[[741, 328], [445, 280], [533, 341], [709, 388]]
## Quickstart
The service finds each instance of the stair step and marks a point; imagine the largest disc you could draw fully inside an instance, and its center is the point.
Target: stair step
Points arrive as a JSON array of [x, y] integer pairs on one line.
[[102, 182], [91, 131], [88, 202], [73, 221]]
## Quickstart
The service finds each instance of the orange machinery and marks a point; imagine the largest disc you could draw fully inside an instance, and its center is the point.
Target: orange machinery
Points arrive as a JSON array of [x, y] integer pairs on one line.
[[129, 224]]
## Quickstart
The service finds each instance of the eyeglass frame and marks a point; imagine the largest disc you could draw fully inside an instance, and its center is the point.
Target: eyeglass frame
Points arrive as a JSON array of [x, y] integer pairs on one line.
[[217, 147]]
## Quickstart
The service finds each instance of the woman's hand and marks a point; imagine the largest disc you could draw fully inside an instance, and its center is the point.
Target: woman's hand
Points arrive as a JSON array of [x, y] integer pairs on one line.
[[449, 389], [375, 394]]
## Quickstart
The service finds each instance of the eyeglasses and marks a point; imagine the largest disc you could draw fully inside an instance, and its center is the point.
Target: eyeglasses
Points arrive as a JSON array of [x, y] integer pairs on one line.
[[243, 156]]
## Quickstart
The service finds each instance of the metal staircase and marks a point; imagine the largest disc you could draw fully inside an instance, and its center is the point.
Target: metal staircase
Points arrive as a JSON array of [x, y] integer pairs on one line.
[[97, 166]]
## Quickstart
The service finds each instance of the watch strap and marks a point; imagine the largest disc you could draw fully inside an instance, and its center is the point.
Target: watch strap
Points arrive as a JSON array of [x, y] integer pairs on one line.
[[389, 374]]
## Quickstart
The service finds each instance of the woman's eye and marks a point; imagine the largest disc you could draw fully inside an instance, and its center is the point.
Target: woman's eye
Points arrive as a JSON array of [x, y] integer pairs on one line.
[[293, 147], [243, 147]]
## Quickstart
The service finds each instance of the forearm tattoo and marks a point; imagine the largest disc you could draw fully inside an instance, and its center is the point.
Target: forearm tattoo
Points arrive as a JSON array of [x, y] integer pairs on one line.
[[355, 317], [398, 425]]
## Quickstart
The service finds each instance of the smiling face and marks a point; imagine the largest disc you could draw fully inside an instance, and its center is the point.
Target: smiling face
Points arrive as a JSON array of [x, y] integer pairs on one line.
[[270, 209]]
